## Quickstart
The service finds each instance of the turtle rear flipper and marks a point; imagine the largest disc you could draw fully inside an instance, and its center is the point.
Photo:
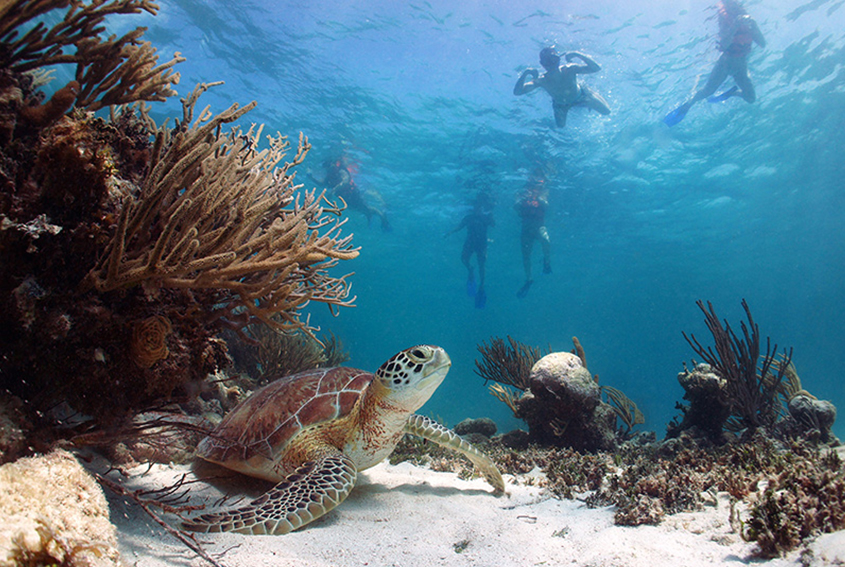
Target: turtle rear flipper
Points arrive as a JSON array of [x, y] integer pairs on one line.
[[429, 429], [315, 488]]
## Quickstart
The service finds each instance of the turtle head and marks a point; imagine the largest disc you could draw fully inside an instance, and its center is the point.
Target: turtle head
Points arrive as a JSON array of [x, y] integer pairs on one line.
[[412, 375]]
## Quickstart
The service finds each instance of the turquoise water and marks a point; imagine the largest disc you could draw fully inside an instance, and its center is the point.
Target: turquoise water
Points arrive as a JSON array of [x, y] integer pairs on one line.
[[737, 201]]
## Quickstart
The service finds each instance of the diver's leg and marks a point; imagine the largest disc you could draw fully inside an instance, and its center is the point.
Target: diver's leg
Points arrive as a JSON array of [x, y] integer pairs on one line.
[[372, 211], [743, 81], [716, 78], [527, 245], [561, 111], [367, 213], [385, 224], [592, 99], [545, 244], [466, 257], [481, 294], [481, 255]]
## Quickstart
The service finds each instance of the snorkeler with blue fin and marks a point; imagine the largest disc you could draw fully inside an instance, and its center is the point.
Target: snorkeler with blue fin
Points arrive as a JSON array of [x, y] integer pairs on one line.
[[476, 224], [737, 34]]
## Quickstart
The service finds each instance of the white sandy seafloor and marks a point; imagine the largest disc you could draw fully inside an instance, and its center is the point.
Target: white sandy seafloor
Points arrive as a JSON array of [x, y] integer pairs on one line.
[[405, 515]]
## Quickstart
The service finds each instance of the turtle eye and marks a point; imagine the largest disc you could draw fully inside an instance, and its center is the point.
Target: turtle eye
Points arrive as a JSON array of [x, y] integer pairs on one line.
[[418, 353]]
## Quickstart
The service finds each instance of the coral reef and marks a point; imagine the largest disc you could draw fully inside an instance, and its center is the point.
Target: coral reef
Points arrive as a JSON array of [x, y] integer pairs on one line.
[[709, 406], [740, 389], [12, 430], [148, 344], [54, 513], [563, 405], [625, 409], [128, 247], [556, 395], [809, 418], [805, 498], [806, 416], [752, 393], [508, 364]]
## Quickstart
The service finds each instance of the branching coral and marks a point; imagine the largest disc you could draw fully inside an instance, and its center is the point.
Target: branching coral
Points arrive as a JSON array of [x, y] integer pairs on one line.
[[215, 214], [752, 392], [507, 396], [53, 109], [126, 247], [112, 71]]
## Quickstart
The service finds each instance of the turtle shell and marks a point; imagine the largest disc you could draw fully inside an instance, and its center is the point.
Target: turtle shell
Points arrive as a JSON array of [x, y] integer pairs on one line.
[[261, 426]]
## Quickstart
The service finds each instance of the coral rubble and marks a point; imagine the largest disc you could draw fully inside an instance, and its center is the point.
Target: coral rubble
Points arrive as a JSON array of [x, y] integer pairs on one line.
[[54, 513], [779, 496]]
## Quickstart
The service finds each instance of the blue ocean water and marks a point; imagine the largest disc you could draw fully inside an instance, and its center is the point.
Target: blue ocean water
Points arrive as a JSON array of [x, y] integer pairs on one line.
[[737, 201]]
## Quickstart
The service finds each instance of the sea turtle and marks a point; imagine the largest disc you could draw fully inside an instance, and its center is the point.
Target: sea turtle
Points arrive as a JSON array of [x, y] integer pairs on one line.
[[313, 431]]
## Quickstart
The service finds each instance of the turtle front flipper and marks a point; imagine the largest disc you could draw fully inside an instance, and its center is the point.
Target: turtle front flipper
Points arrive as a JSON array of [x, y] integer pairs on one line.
[[315, 488], [433, 431]]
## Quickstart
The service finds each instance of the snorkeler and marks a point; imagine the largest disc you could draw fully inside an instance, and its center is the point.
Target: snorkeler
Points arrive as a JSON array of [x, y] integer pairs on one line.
[[340, 183], [560, 81], [476, 223], [737, 33], [531, 204]]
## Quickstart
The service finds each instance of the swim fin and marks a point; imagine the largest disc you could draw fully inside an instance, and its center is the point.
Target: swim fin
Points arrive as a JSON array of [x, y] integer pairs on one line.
[[724, 96], [677, 115], [471, 290], [523, 291], [480, 299]]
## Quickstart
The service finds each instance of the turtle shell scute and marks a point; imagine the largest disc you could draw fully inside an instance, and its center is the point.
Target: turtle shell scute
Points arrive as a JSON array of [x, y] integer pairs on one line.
[[266, 421]]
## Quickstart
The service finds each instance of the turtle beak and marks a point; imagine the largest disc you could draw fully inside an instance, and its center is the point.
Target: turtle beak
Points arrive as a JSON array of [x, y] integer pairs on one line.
[[437, 369], [440, 362]]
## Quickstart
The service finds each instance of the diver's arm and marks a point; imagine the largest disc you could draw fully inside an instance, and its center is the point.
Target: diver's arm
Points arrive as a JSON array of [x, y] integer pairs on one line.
[[589, 66], [462, 224], [522, 86]]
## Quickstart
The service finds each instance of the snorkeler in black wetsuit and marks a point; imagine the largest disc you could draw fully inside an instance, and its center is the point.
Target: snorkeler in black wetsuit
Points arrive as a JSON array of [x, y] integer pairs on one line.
[[476, 223]]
